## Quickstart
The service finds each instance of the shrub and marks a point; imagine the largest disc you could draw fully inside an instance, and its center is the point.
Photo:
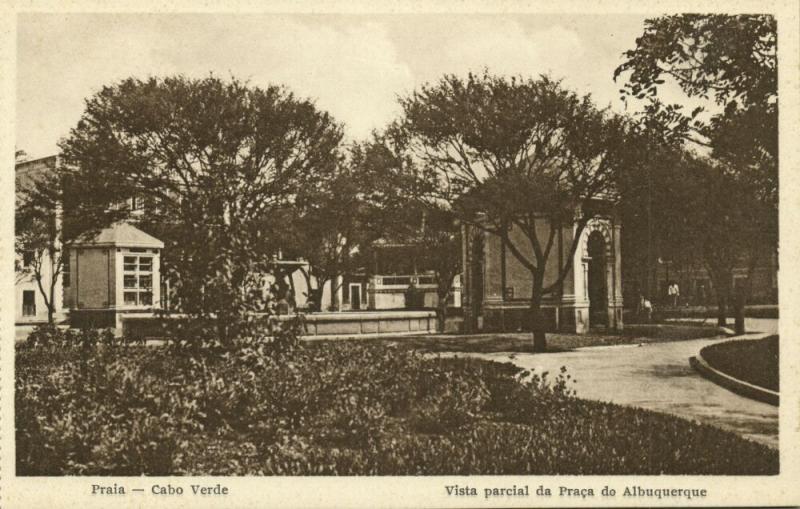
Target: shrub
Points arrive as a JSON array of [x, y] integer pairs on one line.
[[105, 407]]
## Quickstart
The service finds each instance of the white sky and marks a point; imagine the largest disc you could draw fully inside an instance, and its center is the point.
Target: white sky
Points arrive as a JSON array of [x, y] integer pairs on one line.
[[354, 66]]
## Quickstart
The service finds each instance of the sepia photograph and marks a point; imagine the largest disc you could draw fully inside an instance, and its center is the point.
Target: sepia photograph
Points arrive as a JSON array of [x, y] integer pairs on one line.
[[366, 244]]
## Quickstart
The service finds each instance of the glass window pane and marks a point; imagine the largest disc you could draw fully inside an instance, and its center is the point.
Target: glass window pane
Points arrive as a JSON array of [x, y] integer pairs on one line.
[[145, 264], [130, 263], [130, 298], [145, 298], [145, 281], [129, 281]]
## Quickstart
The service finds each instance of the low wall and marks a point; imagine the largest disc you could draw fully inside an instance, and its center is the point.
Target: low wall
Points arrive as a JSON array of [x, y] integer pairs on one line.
[[740, 387], [370, 322], [317, 325]]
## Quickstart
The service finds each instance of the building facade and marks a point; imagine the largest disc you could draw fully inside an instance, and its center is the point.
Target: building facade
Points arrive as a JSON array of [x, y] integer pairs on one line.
[[497, 287], [30, 305], [114, 273], [94, 280]]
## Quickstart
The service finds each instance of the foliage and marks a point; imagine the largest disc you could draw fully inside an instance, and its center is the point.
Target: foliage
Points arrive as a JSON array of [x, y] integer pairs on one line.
[[38, 235], [213, 161], [404, 213], [342, 408], [515, 155], [731, 60], [693, 213], [755, 362]]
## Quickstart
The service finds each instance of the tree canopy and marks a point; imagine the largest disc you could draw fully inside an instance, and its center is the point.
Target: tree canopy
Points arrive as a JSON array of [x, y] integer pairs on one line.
[[511, 153], [212, 159], [730, 60]]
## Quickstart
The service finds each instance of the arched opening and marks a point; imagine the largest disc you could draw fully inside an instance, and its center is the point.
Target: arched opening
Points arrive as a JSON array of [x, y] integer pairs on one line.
[[598, 290]]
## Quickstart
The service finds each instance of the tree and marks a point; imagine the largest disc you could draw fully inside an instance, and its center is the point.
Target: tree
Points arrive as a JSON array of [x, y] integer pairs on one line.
[[715, 200], [404, 209], [213, 161], [325, 229], [515, 155], [38, 238], [731, 61], [440, 246]]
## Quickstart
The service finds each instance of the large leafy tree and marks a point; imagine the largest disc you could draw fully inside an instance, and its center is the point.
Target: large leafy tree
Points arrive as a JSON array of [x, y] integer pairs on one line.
[[705, 197], [732, 62], [404, 209], [325, 228], [515, 154], [213, 160]]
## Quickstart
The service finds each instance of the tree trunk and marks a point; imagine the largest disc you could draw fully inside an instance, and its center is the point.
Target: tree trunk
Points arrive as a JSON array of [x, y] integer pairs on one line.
[[722, 310], [441, 311], [537, 319], [722, 289], [319, 293], [441, 316]]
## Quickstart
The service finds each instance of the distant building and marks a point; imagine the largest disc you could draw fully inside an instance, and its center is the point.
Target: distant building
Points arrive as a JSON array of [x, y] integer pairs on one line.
[[30, 305], [102, 277], [113, 273]]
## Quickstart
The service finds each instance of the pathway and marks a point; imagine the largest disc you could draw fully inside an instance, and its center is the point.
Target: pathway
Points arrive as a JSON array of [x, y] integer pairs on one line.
[[658, 377]]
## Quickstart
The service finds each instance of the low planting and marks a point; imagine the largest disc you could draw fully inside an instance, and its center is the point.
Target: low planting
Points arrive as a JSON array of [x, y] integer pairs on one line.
[[755, 362], [556, 342], [87, 404]]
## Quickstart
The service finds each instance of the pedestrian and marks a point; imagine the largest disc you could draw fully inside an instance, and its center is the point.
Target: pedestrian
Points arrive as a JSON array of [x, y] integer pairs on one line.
[[672, 293], [647, 308]]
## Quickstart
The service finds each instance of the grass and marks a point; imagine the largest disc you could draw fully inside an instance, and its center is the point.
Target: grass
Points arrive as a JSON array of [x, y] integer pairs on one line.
[[753, 361], [556, 342]]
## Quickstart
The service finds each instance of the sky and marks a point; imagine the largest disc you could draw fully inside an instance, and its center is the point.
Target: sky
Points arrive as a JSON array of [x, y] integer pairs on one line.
[[353, 66]]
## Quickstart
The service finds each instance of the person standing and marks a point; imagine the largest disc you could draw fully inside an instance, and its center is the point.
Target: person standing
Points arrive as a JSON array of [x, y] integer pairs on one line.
[[701, 294], [673, 292]]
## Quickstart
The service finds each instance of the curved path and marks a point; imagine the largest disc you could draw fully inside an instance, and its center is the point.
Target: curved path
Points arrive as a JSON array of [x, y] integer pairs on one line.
[[657, 376]]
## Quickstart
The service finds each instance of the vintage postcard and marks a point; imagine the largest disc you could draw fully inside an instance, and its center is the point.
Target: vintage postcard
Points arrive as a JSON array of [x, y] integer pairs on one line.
[[399, 254]]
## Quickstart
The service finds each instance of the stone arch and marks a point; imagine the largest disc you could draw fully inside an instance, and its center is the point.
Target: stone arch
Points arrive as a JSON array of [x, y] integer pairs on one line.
[[601, 226]]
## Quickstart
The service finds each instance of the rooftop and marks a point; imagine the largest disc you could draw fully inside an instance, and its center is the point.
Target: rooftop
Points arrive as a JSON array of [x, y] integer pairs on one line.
[[122, 235]]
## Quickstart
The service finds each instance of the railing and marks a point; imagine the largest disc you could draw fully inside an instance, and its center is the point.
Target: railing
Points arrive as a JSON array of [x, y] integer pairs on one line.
[[403, 280]]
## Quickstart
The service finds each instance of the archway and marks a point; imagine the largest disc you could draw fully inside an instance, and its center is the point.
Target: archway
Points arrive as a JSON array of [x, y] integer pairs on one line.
[[598, 283]]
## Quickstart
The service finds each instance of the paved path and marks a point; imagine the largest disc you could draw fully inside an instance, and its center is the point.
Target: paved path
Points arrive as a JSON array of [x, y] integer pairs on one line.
[[658, 377]]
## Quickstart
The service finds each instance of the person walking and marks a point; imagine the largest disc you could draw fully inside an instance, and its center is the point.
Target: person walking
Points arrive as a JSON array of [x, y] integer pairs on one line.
[[646, 308], [674, 292]]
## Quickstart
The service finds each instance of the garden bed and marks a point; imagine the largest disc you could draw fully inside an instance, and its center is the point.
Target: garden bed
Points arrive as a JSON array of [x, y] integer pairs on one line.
[[752, 361], [337, 408]]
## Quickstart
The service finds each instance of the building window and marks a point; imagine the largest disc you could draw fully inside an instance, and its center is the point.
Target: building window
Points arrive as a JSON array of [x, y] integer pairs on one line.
[[28, 303], [136, 203], [137, 280], [65, 273], [27, 258]]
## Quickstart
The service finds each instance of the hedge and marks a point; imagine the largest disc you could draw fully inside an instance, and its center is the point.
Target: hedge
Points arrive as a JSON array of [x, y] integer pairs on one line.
[[90, 405]]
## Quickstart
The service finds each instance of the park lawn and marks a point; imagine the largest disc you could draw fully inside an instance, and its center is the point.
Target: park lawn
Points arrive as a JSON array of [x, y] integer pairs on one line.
[[752, 361], [336, 408], [556, 342]]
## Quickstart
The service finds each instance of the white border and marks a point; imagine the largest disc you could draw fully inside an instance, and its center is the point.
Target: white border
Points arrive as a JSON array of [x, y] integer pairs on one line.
[[417, 491]]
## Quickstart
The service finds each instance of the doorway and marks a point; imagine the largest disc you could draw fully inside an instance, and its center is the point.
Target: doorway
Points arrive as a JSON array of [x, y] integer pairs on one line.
[[355, 297], [598, 288], [28, 303]]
